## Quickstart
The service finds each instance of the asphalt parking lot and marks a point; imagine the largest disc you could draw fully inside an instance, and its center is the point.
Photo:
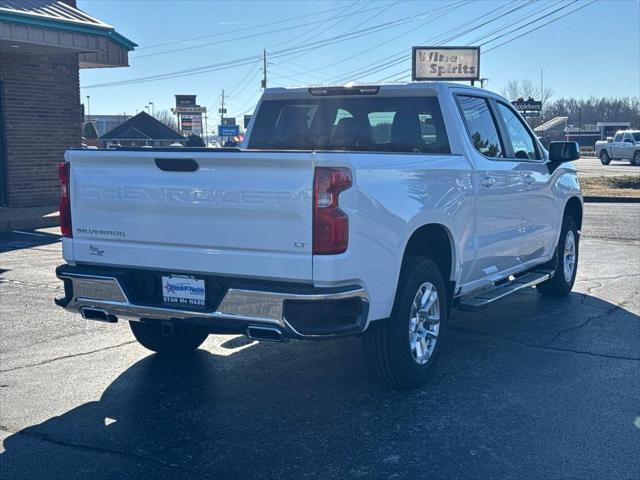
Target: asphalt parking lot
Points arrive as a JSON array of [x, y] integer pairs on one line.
[[592, 167], [530, 388]]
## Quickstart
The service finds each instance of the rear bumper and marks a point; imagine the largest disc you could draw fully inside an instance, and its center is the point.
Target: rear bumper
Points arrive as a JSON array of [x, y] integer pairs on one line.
[[296, 311]]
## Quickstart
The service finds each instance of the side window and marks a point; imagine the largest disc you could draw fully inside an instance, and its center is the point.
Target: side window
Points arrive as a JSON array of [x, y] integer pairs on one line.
[[428, 128], [381, 126], [627, 138], [524, 147], [618, 137], [481, 126], [340, 114]]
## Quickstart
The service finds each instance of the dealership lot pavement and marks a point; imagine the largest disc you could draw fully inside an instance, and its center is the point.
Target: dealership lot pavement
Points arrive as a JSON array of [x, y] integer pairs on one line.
[[529, 388], [591, 167]]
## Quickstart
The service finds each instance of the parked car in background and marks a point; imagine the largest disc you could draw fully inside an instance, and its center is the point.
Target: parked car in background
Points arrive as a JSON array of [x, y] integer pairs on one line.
[[366, 211], [625, 145]]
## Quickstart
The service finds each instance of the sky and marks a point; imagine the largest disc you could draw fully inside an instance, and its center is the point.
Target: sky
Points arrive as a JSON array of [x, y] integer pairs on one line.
[[594, 51]]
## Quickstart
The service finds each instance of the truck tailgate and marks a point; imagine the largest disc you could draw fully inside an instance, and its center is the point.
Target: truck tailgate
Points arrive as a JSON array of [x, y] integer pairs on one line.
[[240, 213]]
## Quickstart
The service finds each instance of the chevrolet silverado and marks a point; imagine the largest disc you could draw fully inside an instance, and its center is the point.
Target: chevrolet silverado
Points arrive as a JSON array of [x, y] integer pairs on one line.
[[349, 210]]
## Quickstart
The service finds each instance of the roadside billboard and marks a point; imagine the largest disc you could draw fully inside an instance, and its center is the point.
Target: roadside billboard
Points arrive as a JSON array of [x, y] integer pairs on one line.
[[446, 63]]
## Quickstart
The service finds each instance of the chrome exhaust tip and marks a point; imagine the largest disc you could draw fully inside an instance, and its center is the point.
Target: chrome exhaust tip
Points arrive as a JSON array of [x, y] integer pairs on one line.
[[97, 314], [265, 334]]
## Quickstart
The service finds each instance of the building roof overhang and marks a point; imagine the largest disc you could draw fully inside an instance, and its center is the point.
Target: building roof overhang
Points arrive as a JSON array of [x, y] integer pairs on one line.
[[41, 26]]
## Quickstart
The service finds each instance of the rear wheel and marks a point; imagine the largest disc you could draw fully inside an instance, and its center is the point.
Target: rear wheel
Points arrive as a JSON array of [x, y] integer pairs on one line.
[[636, 159], [604, 158], [402, 350], [179, 339], [566, 264]]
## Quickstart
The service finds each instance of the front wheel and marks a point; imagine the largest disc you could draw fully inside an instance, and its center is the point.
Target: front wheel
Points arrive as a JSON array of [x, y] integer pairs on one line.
[[402, 350], [566, 264], [604, 158], [183, 338]]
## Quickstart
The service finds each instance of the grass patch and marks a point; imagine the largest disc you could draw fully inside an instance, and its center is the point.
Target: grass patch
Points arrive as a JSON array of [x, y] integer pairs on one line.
[[622, 186]]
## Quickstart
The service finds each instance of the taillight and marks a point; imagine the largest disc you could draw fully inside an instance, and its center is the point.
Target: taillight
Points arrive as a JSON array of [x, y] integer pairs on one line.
[[65, 200], [330, 224]]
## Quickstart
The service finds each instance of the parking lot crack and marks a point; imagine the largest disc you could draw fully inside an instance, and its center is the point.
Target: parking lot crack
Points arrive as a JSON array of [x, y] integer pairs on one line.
[[546, 346], [109, 451], [590, 319], [64, 357]]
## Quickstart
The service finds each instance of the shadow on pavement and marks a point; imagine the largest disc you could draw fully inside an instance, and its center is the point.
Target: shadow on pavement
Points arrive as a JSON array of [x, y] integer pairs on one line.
[[17, 240], [495, 408]]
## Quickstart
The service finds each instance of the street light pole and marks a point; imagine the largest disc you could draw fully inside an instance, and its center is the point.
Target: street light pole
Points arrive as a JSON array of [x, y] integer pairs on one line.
[[153, 110], [88, 108]]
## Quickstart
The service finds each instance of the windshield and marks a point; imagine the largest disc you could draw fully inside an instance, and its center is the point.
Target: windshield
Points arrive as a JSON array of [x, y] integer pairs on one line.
[[384, 124]]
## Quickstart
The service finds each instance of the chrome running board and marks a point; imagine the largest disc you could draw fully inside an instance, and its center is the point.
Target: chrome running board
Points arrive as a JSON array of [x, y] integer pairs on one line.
[[479, 300]]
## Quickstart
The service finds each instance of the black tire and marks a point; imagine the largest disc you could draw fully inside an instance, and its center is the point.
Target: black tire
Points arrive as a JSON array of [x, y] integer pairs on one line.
[[387, 342], [559, 285], [185, 339], [604, 158], [636, 159]]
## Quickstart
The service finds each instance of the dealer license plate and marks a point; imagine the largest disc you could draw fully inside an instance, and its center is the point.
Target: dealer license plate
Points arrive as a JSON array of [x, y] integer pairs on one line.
[[183, 289]]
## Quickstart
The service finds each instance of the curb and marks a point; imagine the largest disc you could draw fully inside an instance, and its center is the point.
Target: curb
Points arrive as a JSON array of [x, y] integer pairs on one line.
[[28, 223], [600, 199]]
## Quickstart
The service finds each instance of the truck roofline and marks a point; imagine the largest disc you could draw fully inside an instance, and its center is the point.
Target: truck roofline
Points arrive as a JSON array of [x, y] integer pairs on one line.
[[433, 88]]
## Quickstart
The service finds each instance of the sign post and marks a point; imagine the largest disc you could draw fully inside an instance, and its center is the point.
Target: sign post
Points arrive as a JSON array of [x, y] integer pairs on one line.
[[446, 63]]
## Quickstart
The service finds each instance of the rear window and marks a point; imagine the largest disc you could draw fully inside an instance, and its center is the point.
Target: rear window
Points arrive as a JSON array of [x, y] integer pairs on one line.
[[381, 124]]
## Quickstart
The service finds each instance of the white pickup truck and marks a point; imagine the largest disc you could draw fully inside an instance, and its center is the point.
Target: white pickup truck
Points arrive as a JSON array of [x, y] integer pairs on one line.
[[366, 211], [625, 145]]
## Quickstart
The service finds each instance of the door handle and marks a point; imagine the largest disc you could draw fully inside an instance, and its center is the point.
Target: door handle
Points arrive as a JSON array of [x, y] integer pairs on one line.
[[528, 179], [487, 181]]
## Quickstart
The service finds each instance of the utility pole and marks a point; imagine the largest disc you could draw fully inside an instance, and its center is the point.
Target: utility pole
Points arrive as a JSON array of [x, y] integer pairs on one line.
[[222, 110], [206, 133], [88, 109], [541, 93], [264, 68]]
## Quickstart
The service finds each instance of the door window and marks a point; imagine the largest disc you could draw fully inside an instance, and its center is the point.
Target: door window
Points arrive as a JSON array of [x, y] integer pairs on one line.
[[481, 126], [524, 147]]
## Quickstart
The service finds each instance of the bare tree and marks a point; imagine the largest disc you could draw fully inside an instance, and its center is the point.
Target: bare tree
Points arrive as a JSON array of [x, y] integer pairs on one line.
[[166, 117], [524, 89]]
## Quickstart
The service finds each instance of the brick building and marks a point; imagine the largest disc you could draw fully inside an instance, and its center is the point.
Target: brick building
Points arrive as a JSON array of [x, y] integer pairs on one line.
[[43, 44]]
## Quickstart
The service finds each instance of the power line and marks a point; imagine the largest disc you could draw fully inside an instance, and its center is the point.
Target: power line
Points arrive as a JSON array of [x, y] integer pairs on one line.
[[306, 32], [447, 9], [540, 26], [243, 29], [243, 84], [532, 21], [395, 59], [246, 60], [241, 37], [525, 33]]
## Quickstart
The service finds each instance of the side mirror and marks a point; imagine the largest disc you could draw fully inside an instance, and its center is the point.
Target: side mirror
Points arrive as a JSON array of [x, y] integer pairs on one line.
[[628, 140], [560, 152]]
